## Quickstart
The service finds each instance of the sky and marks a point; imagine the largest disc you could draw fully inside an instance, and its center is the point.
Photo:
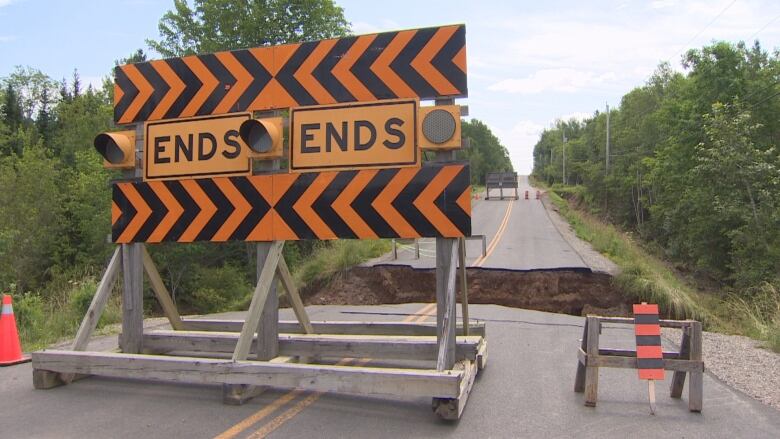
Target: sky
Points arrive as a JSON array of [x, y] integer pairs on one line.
[[530, 63]]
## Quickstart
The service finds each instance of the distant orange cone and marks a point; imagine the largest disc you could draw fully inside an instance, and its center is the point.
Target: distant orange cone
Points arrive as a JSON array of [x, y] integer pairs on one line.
[[10, 349]]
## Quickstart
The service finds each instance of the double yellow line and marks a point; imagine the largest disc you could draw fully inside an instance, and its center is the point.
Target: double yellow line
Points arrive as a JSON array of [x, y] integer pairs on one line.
[[267, 428], [496, 237]]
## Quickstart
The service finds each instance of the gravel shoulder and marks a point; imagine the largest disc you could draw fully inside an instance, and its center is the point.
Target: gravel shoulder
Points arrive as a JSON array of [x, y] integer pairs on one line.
[[738, 361]]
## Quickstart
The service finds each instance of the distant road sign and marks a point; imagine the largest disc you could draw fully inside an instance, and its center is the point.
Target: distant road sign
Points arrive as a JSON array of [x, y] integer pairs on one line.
[[431, 201], [419, 63], [206, 146], [372, 135]]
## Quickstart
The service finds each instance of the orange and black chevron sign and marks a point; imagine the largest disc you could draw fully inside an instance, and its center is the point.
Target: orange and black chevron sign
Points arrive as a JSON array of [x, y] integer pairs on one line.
[[649, 354], [420, 63], [432, 201]]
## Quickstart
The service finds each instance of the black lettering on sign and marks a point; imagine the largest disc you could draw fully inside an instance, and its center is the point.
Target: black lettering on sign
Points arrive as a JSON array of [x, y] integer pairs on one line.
[[159, 147], [359, 145], [394, 132], [186, 149], [341, 139], [202, 155], [306, 137], [230, 139]]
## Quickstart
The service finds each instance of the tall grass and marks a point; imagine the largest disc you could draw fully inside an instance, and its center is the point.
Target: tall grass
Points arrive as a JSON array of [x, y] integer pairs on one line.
[[335, 257], [642, 276], [42, 323], [648, 278]]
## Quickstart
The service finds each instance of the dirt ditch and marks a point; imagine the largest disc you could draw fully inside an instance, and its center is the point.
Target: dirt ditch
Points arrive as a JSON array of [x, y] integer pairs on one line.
[[576, 292]]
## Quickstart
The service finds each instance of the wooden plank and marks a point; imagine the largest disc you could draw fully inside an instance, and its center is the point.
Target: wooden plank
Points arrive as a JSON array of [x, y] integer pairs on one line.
[[239, 394], [696, 384], [630, 321], [592, 371], [482, 354], [334, 327], [262, 291], [678, 379], [268, 326], [158, 287], [294, 295], [132, 299], [446, 256], [98, 304], [579, 379], [409, 383], [451, 409], [335, 346], [597, 361], [464, 287]]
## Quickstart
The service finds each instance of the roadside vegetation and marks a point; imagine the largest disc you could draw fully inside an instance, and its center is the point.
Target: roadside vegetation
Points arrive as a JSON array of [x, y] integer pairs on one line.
[[54, 193], [693, 176], [646, 276]]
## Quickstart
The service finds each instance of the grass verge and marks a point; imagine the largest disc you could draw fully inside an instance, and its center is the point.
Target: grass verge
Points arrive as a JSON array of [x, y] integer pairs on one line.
[[648, 278], [334, 257], [42, 323]]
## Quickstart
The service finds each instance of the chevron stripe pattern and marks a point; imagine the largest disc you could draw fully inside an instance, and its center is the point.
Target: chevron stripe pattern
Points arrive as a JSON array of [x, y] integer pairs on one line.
[[432, 201], [419, 63]]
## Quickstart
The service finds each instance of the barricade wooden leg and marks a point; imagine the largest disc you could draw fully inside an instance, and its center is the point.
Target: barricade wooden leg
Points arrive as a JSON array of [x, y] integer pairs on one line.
[[678, 379], [132, 299], [579, 380], [294, 295], [160, 292], [592, 372], [464, 288], [696, 384], [268, 260]]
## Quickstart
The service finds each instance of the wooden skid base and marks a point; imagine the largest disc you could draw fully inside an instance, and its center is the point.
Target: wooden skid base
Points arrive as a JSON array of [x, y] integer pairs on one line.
[[324, 327], [340, 379], [327, 346]]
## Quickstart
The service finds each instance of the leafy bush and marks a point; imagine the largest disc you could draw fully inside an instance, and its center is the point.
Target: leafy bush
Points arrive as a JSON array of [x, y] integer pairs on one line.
[[219, 289]]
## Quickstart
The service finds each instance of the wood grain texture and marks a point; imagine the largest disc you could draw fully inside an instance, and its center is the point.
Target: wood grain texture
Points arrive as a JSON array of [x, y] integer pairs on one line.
[[160, 292], [407, 383], [132, 298], [334, 327]]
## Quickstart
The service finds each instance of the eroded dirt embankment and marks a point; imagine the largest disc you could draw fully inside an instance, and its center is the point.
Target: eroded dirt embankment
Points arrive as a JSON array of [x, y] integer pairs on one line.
[[576, 292]]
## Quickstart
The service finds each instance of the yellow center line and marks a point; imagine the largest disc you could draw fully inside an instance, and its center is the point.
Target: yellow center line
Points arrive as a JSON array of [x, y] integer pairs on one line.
[[418, 316], [496, 238]]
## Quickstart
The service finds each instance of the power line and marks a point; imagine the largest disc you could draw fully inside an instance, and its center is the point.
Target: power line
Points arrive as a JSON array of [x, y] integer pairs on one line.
[[764, 27], [708, 25]]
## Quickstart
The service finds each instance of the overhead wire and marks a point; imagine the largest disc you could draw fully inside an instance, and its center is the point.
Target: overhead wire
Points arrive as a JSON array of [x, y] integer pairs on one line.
[[698, 34]]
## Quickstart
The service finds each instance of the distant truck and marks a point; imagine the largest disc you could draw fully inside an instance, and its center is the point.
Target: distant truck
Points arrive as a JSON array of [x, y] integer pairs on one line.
[[501, 181]]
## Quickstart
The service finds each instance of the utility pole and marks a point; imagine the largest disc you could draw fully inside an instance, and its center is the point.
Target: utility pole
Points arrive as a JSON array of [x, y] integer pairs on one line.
[[563, 131], [606, 167]]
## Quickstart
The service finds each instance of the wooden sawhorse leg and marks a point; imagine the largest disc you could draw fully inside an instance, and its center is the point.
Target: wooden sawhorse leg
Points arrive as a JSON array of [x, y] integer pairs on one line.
[[592, 372]]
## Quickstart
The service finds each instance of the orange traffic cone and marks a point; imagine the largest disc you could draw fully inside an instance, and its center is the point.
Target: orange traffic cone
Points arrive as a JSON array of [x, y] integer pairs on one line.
[[10, 349]]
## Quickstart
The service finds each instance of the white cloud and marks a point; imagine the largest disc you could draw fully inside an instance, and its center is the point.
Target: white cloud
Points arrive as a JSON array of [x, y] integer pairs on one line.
[[553, 80], [7, 38], [519, 140], [362, 27], [5, 3], [661, 4], [577, 115]]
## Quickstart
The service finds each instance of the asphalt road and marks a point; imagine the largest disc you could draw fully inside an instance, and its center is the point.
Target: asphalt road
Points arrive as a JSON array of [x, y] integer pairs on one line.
[[519, 236], [525, 391]]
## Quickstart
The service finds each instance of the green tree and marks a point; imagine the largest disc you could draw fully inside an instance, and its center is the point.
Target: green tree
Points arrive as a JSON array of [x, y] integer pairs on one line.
[[215, 25], [485, 152]]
